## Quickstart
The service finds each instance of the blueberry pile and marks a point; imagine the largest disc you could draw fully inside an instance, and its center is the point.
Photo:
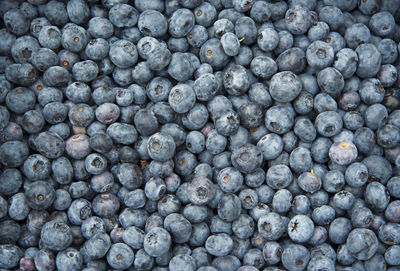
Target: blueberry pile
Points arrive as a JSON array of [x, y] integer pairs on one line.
[[199, 135]]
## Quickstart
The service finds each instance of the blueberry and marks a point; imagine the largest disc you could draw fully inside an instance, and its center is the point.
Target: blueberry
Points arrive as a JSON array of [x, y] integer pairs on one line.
[[295, 257], [281, 202], [318, 31], [56, 76], [328, 123], [300, 160], [253, 258], [391, 255], [229, 261], [37, 24], [300, 204], [195, 213], [178, 44], [391, 212], [95, 163], [305, 130], [205, 14], [370, 52], [279, 119], [309, 182], [69, 259], [182, 262], [387, 136], [382, 23], [74, 37], [300, 228], [391, 186], [155, 188], [170, 203], [378, 168], [123, 54], [78, 146], [181, 98], [50, 37], [133, 237], [36, 167], [48, 95], [222, 26], [387, 75], [158, 89], [285, 86], [78, 11], [211, 52], [97, 49], [272, 252], [97, 246], [55, 236], [293, 59], [18, 208], [62, 170], [219, 244], [201, 190], [271, 226], [40, 195], [230, 43], [23, 48], [245, 27], [388, 50], [55, 112], [279, 176], [143, 260], [146, 122], [249, 199], [161, 146], [67, 59], [196, 118], [247, 158], [181, 22], [44, 260], [99, 27], [333, 181], [319, 237], [180, 67], [229, 207], [159, 58], [16, 22], [157, 242], [122, 133], [260, 11], [105, 205], [79, 210], [62, 200], [13, 153], [120, 256], [161, 169], [255, 179], [343, 153], [11, 255], [152, 23], [362, 243], [263, 67], [319, 54]]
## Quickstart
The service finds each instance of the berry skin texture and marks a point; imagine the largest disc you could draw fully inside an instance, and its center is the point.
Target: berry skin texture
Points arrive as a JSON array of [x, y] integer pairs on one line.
[[194, 135], [343, 153], [300, 228]]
